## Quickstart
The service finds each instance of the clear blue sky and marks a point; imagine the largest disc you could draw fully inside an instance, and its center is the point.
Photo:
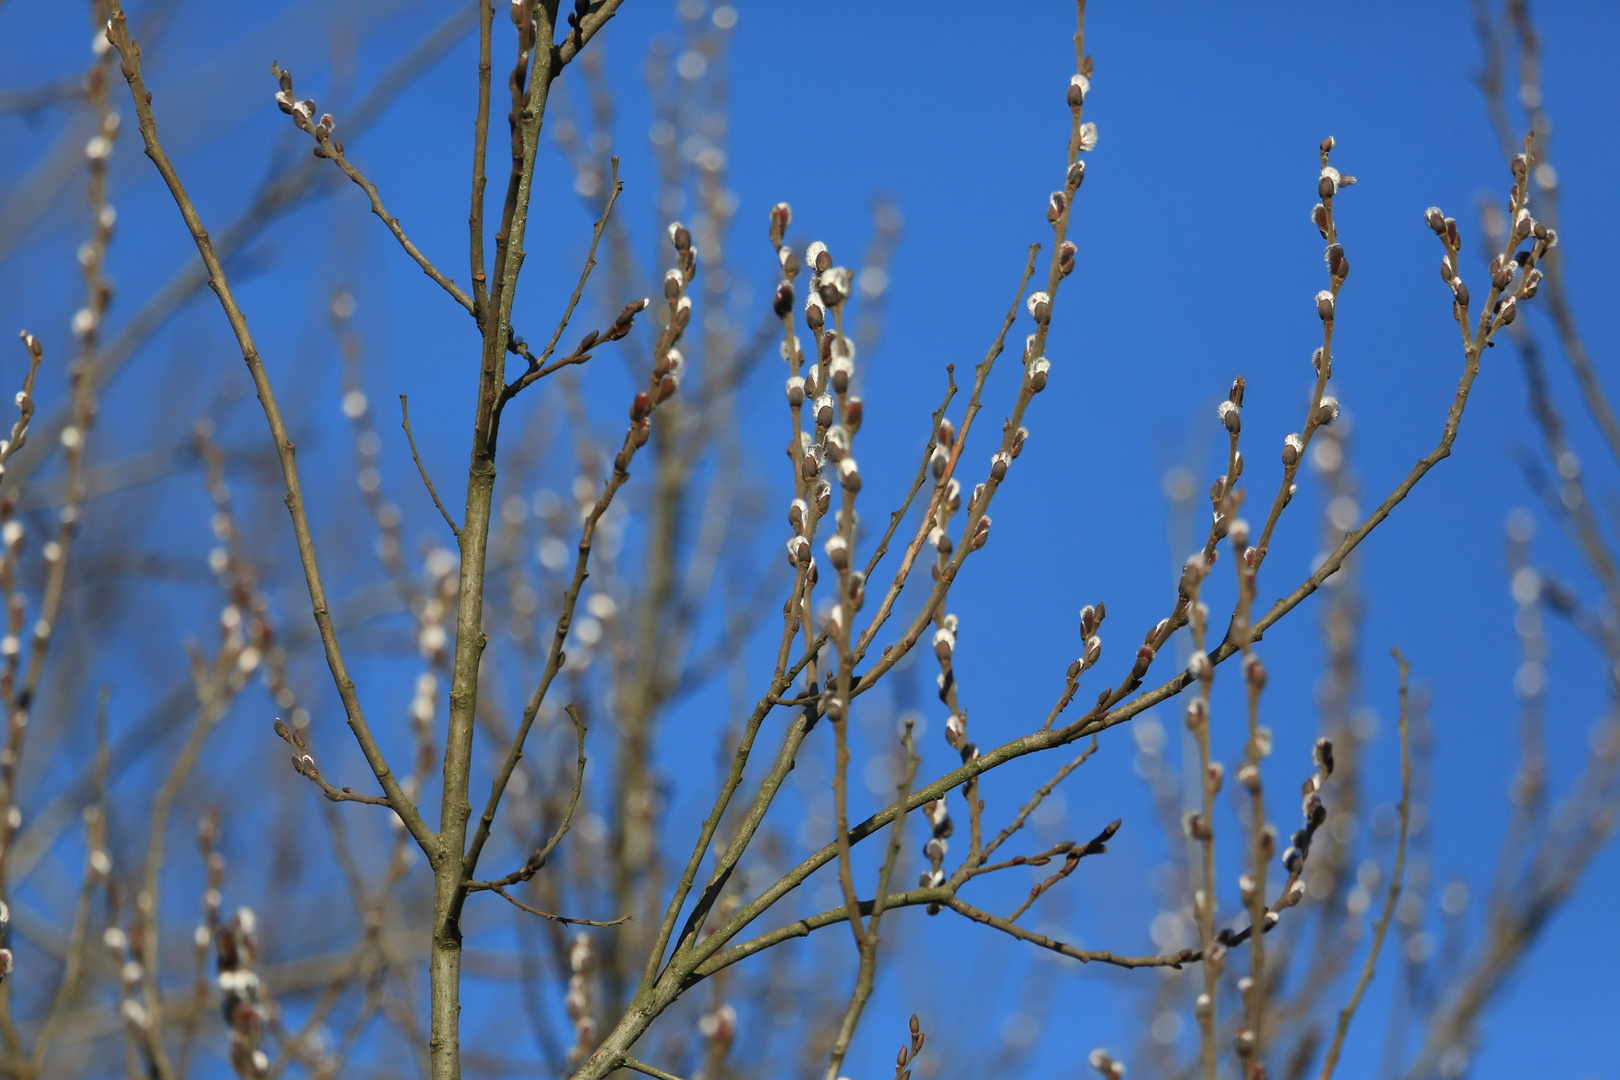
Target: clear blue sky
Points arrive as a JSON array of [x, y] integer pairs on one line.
[[1197, 264]]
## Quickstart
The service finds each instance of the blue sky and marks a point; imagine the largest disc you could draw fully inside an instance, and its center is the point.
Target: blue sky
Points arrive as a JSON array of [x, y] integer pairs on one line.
[[1197, 264]]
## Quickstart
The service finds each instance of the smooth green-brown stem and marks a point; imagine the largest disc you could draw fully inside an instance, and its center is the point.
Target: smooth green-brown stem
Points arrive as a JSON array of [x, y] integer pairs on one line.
[[1348, 1013], [475, 217], [454, 868]]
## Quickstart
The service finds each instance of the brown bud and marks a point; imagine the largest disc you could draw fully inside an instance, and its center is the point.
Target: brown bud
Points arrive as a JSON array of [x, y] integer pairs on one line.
[[781, 218], [1338, 265]]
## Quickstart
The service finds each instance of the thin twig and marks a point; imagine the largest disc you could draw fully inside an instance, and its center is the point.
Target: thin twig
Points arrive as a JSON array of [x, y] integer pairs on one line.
[[405, 422], [1349, 1011], [118, 33], [515, 902], [538, 859], [645, 1069]]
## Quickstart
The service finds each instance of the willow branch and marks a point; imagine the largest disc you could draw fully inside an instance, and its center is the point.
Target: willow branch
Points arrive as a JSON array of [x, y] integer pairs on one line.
[[118, 33]]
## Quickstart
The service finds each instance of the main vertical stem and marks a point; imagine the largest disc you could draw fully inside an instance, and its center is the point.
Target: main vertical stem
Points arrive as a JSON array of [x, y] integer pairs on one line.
[[452, 869]]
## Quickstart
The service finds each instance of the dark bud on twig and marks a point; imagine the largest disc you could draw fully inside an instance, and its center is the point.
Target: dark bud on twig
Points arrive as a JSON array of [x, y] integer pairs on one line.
[[1507, 310], [1231, 417], [784, 300], [1144, 660], [1501, 272], [1079, 86], [1076, 176], [1338, 265], [1435, 220], [667, 387], [1293, 446], [1249, 777], [1451, 232], [998, 465], [854, 409], [1040, 307], [1319, 218], [1324, 305], [680, 237], [781, 218], [1327, 411], [823, 497], [1055, 207], [1532, 281], [1324, 188], [819, 258], [981, 535], [624, 320], [1459, 289], [1038, 370], [1323, 753], [1066, 251], [1235, 395], [640, 406], [1523, 226], [1255, 672], [824, 410], [1018, 441]]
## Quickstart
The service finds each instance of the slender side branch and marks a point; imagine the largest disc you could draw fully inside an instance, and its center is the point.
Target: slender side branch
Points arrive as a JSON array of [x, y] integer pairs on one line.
[[515, 902], [1349, 1011], [405, 422], [646, 1070], [118, 34]]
